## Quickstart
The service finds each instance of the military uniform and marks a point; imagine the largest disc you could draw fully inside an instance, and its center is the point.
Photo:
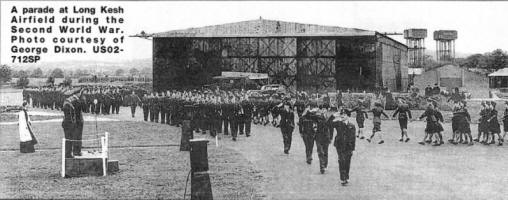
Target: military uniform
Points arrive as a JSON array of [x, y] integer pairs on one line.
[[308, 134], [248, 109], [146, 107], [287, 126], [345, 145]]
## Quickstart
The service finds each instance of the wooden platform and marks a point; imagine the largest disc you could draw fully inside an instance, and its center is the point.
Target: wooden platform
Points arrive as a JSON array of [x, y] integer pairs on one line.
[[89, 165]]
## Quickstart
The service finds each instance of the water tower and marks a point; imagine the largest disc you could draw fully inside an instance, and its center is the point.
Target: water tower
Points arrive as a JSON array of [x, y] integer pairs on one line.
[[445, 45], [415, 41]]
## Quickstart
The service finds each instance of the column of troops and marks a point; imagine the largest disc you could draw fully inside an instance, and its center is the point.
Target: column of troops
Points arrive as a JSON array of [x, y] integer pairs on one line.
[[214, 112], [95, 100]]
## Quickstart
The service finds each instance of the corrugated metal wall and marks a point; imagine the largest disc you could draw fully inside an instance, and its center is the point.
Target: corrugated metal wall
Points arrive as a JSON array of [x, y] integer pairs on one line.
[[303, 63], [393, 64]]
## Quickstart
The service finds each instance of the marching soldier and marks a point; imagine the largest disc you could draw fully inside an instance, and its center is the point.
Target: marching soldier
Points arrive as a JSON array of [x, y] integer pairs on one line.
[[287, 126], [324, 136], [344, 143], [308, 132]]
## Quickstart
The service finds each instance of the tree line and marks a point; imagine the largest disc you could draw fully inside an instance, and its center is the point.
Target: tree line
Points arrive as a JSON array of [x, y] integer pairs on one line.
[[487, 62], [7, 73]]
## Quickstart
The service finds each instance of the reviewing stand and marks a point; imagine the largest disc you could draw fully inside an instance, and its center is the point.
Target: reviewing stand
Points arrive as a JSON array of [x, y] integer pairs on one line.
[[89, 164]]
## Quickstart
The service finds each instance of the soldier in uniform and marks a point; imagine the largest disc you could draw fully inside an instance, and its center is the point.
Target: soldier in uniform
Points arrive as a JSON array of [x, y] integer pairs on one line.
[[133, 101], [248, 109], [155, 109], [324, 136], [162, 107], [216, 117], [287, 126], [72, 124], [344, 143], [234, 116], [118, 101], [308, 133], [226, 115], [145, 106]]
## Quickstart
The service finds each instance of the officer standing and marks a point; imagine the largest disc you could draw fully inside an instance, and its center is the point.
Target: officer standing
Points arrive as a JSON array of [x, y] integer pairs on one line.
[[145, 106], [162, 107], [248, 109], [133, 100], [234, 116], [72, 124]]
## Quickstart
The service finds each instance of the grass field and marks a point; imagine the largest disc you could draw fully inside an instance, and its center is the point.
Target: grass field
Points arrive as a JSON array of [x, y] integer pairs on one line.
[[151, 166]]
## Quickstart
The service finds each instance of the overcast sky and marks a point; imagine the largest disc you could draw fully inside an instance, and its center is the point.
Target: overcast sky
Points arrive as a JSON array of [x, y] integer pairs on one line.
[[481, 26]]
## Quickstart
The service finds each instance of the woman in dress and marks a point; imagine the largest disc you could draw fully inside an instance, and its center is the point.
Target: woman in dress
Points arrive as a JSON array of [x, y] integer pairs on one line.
[[377, 111], [494, 128], [404, 114]]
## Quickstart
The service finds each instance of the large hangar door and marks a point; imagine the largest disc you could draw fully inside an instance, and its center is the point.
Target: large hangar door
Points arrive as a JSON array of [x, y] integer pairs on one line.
[[355, 63]]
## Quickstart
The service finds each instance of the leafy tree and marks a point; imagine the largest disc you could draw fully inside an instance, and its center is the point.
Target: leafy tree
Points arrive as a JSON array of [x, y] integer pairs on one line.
[[146, 71], [23, 80], [21, 73], [67, 81], [5, 73], [497, 59], [50, 81], [134, 72], [79, 73], [429, 62], [37, 73], [119, 72], [57, 73]]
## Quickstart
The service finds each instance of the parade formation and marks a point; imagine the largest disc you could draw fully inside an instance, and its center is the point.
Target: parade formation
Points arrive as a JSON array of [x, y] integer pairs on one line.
[[232, 113]]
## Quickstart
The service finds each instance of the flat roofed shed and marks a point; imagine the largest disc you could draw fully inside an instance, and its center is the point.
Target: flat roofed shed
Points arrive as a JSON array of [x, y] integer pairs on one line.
[[264, 28]]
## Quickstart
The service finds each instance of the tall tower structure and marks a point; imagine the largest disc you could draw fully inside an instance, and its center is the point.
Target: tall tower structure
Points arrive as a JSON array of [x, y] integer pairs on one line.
[[415, 40], [445, 45]]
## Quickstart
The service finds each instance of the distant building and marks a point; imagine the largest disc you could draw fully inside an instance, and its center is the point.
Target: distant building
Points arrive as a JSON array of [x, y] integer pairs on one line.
[[499, 79], [448, 76], [300, 56]]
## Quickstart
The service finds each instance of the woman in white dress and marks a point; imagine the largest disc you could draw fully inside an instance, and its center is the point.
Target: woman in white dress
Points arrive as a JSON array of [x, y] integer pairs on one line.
[[26, 136]]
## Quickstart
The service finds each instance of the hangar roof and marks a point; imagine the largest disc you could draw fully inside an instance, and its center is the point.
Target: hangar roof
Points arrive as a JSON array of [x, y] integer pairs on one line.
[[263, 28]]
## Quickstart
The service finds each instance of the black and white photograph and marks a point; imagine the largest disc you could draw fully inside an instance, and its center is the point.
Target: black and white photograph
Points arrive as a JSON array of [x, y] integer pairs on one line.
[[255, 100]]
